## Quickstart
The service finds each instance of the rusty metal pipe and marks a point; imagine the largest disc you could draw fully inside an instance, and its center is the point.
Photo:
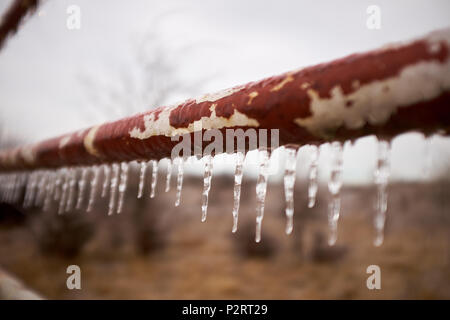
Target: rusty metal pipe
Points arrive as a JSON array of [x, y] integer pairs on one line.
[[389, 91]]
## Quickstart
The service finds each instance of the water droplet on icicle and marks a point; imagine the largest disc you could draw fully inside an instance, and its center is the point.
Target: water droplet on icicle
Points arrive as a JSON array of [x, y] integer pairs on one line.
[[179, 181], [81, 187], [123, 185], [381, 176], [72, 185], [94, 183], [154, 178], [113, 188], [312, 176], [239, 171], [207, 176], [289, 182], [142, 179], [106, 179], [169, 174], [261, 189], [334, 187]]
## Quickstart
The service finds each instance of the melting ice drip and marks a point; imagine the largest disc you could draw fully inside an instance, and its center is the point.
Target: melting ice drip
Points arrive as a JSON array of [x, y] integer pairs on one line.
[[179, 181], [64, 189], [239, 171], [381, 176], [207, 175], [94, 183], [334, 187], [289, 182], [122, 185], [113, 188], [106, 179], [72, 185], [312, 176], [428, 157], [81, 187], [154, 178], [142, 179], [261, 189], [169, 175]]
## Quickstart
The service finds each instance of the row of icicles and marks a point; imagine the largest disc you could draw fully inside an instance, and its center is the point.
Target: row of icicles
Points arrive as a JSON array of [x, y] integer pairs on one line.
[[44, 186]]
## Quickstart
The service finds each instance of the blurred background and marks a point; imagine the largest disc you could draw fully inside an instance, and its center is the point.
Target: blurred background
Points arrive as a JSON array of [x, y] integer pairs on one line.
[[129, 57]]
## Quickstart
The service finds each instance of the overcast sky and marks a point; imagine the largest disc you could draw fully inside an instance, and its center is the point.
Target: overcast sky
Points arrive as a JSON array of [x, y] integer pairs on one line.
[[226, 42]]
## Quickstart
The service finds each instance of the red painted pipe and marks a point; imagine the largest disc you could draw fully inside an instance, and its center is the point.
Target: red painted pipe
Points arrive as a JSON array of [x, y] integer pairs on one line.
[[385, 92]]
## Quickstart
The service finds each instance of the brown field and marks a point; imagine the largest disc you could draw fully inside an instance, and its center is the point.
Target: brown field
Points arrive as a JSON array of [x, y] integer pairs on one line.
[[154, 250]]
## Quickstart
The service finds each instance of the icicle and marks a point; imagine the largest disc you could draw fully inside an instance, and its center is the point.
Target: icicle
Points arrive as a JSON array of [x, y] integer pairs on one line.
[[334, 187], [312, 176], [94, 183], [427, 157], [207, 176], [154, 178], [237, 188], [106, 179], [81, 187], [142, 179], [261, 189], [64, 189], [50, 187], [381, 180], [123, 185], [169, 174], [40, 188], [289, 181], [58, 182], [32, 189], [179, 181], [72, 187], [113, 188]]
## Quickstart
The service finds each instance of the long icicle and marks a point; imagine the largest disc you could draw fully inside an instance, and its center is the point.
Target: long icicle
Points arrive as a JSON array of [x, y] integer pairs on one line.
[[312, 176], [122, 185], [334, 187], [154, 178], [381, 176], [113, 185], [40, 195], [106, 179], [261, 189], [239, 171], [81, 187], [427, 157], [179, 181], [50, 188], [58, 184], [94, 184], [169, 174], [65, 176], [72, 187], [142, 179], [207, 176], [289, 182]]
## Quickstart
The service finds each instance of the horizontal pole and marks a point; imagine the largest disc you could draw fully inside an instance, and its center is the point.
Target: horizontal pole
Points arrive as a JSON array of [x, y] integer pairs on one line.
[[386, 92]]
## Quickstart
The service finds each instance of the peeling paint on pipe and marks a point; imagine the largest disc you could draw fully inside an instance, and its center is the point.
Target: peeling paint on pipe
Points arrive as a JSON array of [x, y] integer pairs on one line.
[[389, 91]]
